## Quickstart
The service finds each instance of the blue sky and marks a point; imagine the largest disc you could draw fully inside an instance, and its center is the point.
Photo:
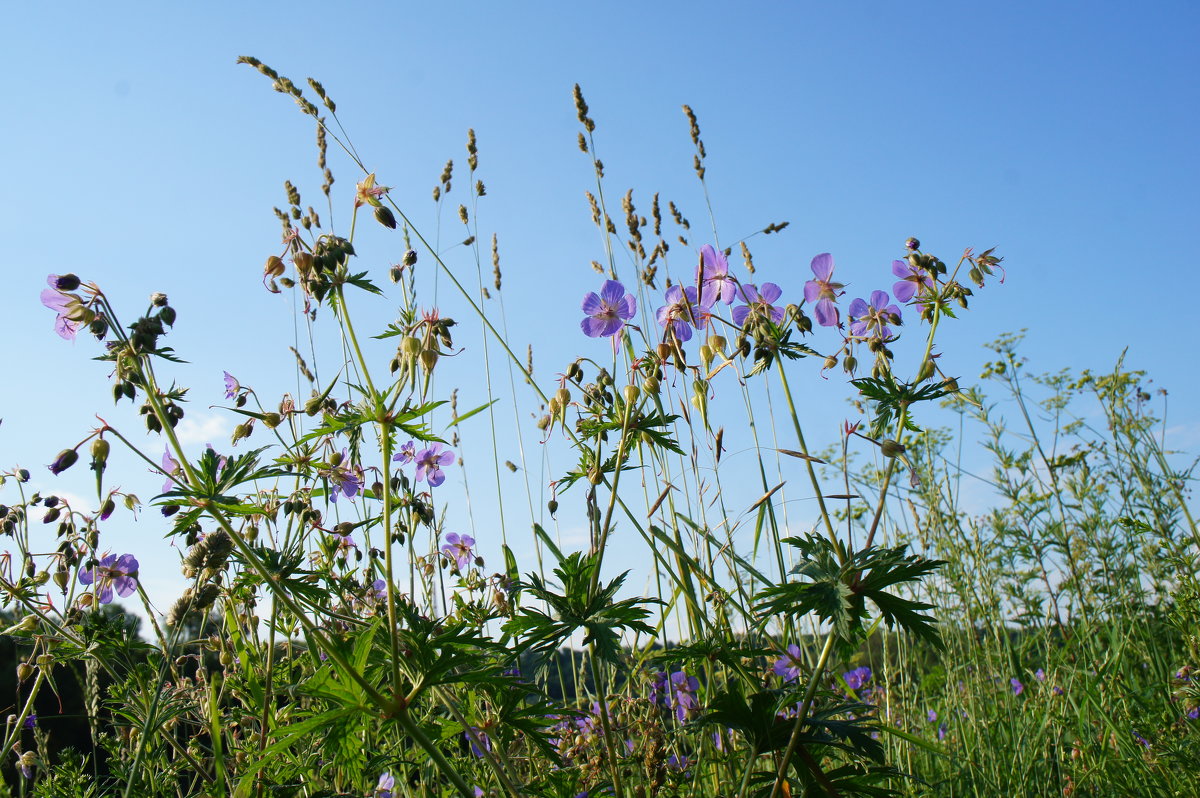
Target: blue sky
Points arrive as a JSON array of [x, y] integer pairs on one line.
[[138, 155]]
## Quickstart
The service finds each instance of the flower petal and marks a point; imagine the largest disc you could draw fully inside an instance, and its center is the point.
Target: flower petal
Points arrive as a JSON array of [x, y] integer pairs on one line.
[[592, 304], [822, 266], [826, 313], [904, 290], [770, 293], [612, 292]]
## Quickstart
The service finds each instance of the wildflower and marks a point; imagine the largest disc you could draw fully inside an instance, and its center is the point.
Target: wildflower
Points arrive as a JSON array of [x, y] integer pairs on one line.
[[941, 732], [379, 589], [387, 782], [344, 479], [406, 453], [479, 741], [683, 694], [858, 677], [790, 664], [458, 548], [607, 311], [1194, 713], [231, 386], [714, 278], [71, 314], [931, 716], [658, 688], [170, 467], [31, 721], [112, 571], [823, 291], [344, 542], [1017, 687], [872, 318], [1040, 675], [429, 464], [912, 244], [1057, 690], [684, 311], [677, 762], [912, 280], [758, 303], [1144, 742]]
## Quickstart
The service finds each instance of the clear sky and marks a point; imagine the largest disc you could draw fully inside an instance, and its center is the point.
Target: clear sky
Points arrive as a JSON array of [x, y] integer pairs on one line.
[[138, 155]]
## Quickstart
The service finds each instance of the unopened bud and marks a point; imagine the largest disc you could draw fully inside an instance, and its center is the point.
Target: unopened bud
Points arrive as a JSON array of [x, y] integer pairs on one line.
[[385, 217], [335, 459], [396, 272], [563, 395], [429, 358], [631, 394], [100, 449], [272, 420], [303, 261], [552, 506], [912, 244], [66, 282], [706, 355], [66, 458], [891, 448], [45, 661], [410, 347], [650, 384]]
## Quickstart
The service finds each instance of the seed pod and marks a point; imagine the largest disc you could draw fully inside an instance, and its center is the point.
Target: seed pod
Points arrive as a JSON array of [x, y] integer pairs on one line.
[[631, 394], [24, 671], [385, 217], [717, 343], [563, 396], [891, 448], [429, 358]]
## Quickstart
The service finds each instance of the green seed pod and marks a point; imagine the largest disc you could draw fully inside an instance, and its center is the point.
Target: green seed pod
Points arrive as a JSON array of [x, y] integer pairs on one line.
[[100, 449], [717, 343], [385, 217], [335, 459], [24, 671], [563, 395], [891, 448], [552, 506], [429, 359], [631, 393]]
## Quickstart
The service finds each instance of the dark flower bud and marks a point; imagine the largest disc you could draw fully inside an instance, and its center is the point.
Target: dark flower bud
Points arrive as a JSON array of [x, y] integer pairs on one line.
[[552, 506], [167, 314], [170, 510], [385, 217], [66, 458], [66, 282], [396, 272], [107, 508], [99, 327], [912, 244], [158, 299], [23, 475], [410, 258], [51, 501], [51, 515]]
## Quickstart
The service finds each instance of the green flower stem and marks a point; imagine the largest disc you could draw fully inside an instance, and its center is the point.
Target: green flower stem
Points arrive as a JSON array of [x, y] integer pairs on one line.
[[414, 730], [345, 317], [385, 437], [802, 714], [812, 472]]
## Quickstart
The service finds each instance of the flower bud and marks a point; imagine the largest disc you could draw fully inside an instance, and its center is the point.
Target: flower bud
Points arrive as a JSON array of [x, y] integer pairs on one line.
[[66, 458], [650, 384], [926, 371], [100, 449], [891, 448], [830, 362], [304, 262], [45, 661], [706, 355], [563, 395], [912, 244], [385, 217], [396, 272], [167, 314], [552, 506], [664, 351], [335, 459], [158, 299], [22, 475], [410, 347], [631, 394], [62, 579], [849, 364], [410, 258], [107, 508], [275, 267], [272, 420]]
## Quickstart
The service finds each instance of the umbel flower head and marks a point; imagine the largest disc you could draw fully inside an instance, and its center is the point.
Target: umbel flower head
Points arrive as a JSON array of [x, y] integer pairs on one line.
[[111, 572], [607, 311]]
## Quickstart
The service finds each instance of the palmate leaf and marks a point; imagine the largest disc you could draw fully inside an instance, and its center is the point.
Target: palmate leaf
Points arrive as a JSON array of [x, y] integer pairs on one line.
[[756, 720], [893, 400]]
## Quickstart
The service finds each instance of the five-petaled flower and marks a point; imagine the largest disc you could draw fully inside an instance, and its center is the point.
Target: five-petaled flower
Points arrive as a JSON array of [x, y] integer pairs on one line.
[[607, 311], [345, 480], [758, 303], [683, 694], [231, 386], [1017, 687], [684, 311], [406, 453], [458, 549], [715, 280], [790, 664], [871, 319], [387, 783], [71, 314], [913, 281], [858, 677], [111, 572], [429, 464], [824, 291]]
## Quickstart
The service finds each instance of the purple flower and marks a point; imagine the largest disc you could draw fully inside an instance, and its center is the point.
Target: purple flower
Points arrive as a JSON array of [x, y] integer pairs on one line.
[[760, 303], [112, 571], [479, 741], [658, 688], [683, 311], [1017, 687], [231, 386], [345, 480], [1194, 713], [31, 721], [430, 462], [1145, 743], [607, 311], [683, 694], [344, 542], [872, 319], [931, 716], [458, 548], [406, 453], [379, 589], [858, 677], [677, 762], [1057, 690], [170, 467], [942, 730], [823, 291], [790, 664], [1040, 675], [65, 459], [387, 782], [715, 280], [68, 307], [912, 280]]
